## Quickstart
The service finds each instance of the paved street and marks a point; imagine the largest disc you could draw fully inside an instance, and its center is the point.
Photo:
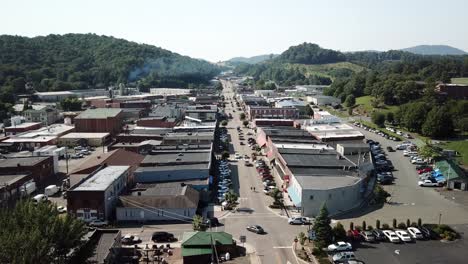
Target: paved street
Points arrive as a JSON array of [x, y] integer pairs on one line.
[[408, 199], [275, 246]]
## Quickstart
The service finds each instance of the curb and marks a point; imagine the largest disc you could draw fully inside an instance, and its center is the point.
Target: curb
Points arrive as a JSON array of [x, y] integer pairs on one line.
[[299, 260]]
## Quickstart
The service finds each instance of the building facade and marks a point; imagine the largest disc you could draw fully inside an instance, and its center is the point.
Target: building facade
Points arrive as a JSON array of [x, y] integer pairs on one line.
[[99, 120]]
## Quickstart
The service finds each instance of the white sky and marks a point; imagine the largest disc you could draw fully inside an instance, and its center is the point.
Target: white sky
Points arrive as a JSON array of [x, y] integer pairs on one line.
[[218, 29]]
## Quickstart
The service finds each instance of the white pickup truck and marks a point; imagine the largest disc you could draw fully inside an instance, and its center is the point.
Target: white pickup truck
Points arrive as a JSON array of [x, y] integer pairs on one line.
[[429, 183]]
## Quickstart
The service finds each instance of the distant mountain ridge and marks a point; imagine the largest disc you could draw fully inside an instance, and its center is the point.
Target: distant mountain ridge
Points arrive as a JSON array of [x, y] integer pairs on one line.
[[253, 59], [434, 50]]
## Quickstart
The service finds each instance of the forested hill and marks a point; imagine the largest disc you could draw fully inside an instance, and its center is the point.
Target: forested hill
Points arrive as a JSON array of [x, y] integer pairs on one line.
[[253, 60], [308, 53], [435, 50], [81, 61]]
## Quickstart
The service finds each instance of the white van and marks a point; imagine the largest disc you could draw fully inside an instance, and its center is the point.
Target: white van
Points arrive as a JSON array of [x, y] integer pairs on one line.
[[40, 198], [51, 190]]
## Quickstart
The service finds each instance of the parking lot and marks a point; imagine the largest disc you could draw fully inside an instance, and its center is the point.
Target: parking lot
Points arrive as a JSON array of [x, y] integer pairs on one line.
[[430, 251], [408, 200]]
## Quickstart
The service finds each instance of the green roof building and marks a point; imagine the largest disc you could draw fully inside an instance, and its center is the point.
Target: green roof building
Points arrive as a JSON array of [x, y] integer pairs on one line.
[[200, 246]]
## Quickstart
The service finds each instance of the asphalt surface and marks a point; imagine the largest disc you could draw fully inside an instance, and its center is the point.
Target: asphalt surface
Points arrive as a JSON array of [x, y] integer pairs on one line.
[[276, 245], [408, 199], [419, 252]]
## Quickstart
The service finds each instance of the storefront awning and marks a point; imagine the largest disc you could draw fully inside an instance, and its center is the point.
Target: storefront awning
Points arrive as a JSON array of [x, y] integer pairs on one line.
[[296, 199]]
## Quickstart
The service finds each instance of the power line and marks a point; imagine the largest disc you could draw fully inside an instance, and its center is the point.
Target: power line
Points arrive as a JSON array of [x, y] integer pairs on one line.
[[155, 210]]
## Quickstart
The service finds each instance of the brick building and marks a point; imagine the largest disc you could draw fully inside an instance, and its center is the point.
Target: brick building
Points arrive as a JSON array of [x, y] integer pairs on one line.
[[41, 168], [455, 91], [99, 120], [272, 112], [95, 197]]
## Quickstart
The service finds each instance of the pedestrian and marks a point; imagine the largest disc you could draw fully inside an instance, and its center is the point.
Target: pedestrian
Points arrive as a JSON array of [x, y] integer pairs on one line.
[[254, 189], [251, 188]]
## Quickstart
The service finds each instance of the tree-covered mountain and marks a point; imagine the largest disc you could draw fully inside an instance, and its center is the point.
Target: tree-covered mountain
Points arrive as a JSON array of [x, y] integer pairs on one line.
[[435, 50], [308, 53], [252, 60], [81, 61]]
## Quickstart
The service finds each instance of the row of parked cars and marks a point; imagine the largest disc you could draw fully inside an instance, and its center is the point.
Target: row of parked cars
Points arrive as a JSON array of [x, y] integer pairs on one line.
[[264, 172], [384, 167], [224, 179], [376, 131], [343, 251]]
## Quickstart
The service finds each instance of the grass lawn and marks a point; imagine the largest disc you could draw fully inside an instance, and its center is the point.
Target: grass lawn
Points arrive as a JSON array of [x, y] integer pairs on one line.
[[460, 80], [460, 146], [364, 103]]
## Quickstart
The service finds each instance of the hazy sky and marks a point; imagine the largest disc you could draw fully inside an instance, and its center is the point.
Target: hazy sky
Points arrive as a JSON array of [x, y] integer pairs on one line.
[[218, 30]]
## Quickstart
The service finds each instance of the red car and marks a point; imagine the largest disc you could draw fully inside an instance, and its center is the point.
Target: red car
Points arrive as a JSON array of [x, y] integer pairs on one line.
[[421, 171], [354, 234]]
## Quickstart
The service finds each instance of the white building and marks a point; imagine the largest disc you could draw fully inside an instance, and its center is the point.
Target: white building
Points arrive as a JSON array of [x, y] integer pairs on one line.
[[323, 100], [163, 202]]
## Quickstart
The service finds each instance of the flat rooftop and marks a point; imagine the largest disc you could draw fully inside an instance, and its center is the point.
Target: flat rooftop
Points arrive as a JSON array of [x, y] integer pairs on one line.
[[329, 158], [99, 113], [178, 167], [11, 179], [180, 157], [102, 179], [85, 135], [337, 130], [23, 125], [22, 161], [317, 182]]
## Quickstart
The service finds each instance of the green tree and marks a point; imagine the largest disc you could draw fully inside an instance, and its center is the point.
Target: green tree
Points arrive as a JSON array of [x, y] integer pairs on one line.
[[225, 155], [38, 234], [438, 123], [71, 104], [322, 228], [390, 117], [350, 100], [339, 232], [245, 123], [277, 196], [224, 123], [378, 118], [231, 197], [302, 238], [309, 110], [197, 223], [242, 116]]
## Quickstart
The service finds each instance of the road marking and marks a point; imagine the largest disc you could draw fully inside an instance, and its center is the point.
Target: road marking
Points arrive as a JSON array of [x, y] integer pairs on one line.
[[283, 247], [397, 251]]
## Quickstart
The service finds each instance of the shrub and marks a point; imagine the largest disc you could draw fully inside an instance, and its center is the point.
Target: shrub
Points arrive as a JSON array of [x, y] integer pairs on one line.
[[324, 261], [317, 251], [419, 222], [385, 226], [401, 225], [358, 228], [377, 224], [414, 224], [370, 228], [224, 123], [394, 223], [364, 225], [408, 222]]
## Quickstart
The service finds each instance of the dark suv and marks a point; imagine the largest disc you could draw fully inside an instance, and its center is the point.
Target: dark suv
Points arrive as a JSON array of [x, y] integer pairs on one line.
[[162, 237]]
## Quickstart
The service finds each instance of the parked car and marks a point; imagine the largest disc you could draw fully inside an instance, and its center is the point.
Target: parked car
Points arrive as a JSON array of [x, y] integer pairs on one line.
[[426, 169], [428, 232], [379, 235], [368, 236], [343, 256], [403, 235], [415, 233], [340, 246], [299, 221], [256, 229], [130, 239], [429, 183], [354, 235], [98, 223], [391, 236], [162, 236]]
